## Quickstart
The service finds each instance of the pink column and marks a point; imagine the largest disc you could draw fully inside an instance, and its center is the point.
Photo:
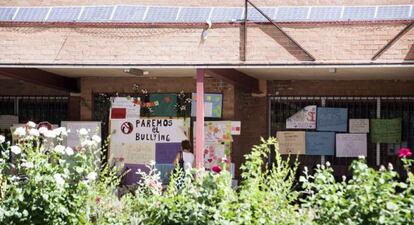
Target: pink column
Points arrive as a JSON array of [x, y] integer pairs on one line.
[[199, 146]]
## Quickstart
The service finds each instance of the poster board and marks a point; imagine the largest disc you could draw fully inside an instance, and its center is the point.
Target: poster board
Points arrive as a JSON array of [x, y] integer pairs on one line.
[[304, 119], [214, 153], [165, 105], [125, 107], [291, 142], [386, 130], [320, 143], [213, 104], [359, 126], [72, 140], [351, 145], [332, 119]]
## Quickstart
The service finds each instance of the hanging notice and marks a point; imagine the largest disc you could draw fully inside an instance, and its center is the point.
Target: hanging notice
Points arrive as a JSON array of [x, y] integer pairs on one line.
[[359, 126], [164, 105], [291, 142], [125, 107], [212, 105], [332, 119], [72, 140], [386, 130], [320, 143], [6, 121], [159, 130], [351, 145], [304, 119]]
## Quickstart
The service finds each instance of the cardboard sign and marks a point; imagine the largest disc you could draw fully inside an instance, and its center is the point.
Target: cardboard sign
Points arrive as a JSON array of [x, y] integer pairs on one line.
[[72, 140], [332, 119], [320, 143], [212, 105], [304, 119], [156, 130], [351, 145], [165, 105], [291, 142], [125, 107], [359, 126], [386, 130]]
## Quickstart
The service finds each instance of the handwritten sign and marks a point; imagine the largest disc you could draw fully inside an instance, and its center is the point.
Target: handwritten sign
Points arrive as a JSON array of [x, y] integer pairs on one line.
[[291, 142], [159, 130], [360, 126], [320, 143], [332, 119], [351, 145], [386, 130], [304, 119]]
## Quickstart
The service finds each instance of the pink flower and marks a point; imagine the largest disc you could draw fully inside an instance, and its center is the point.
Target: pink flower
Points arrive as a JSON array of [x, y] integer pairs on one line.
[[216, 169], [97, 200], [404, 152]]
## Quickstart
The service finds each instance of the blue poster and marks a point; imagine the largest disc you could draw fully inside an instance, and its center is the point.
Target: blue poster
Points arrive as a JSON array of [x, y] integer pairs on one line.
[[212, 105], [332, 119], [320, 143]]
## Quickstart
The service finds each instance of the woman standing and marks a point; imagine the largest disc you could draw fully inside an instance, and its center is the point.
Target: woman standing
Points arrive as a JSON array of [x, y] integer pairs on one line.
[[185, 157]]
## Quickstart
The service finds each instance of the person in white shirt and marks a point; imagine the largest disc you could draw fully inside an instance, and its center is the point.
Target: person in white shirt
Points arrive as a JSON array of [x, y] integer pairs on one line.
[[185, 157]]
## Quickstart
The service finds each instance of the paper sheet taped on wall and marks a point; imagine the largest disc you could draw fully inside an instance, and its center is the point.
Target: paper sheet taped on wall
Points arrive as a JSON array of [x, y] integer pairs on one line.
[[304, 119], [332, 119], [386, 130], [291, 142], [320, 143], [359, 126], [351, 145]]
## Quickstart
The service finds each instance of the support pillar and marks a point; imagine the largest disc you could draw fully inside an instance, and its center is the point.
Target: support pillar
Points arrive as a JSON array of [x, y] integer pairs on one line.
[[199, 146]]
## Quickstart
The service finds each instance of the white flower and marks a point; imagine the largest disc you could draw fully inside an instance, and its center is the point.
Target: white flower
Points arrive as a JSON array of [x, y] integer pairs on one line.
[[390, 166], [31, 124], [361, 157], [96, 138], [59, 179], [92, 176], [20, 131], [49, 134], [328, 164], [2, 139], [152, 163], [28, 165], [60, 131], [88, 143], [16, 149], [34, 132], [69, 151], [83, 131], [60, 149], [42, 130]]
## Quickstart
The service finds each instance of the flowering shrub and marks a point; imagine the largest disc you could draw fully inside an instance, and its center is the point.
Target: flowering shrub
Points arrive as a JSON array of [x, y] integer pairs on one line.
[[369, 197]]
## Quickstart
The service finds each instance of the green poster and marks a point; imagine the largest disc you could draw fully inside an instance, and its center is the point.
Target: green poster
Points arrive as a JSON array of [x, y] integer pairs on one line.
[[386, 130], [165, 105]]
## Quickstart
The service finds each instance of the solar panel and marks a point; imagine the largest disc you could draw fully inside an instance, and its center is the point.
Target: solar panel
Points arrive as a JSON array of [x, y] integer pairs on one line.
[[194, 15], [359, 13], [393, 12], [254, 15], [226, 14], [129, 13], [161, 14], [100, 13], [64, 14], [292, 13], [7, 14], [325, 13], [31, 14]]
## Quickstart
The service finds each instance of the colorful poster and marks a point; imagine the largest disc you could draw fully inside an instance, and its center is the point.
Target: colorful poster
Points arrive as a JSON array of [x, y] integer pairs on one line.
[[320, 143], [386, 130], [137, 131], [214, 153], [125, 107], [213, 104], [166, 152], [359, 126], [304, 119], [332, 119], [165, 105], [291, 142], [351, 145], [72, 140], [217, 131]]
